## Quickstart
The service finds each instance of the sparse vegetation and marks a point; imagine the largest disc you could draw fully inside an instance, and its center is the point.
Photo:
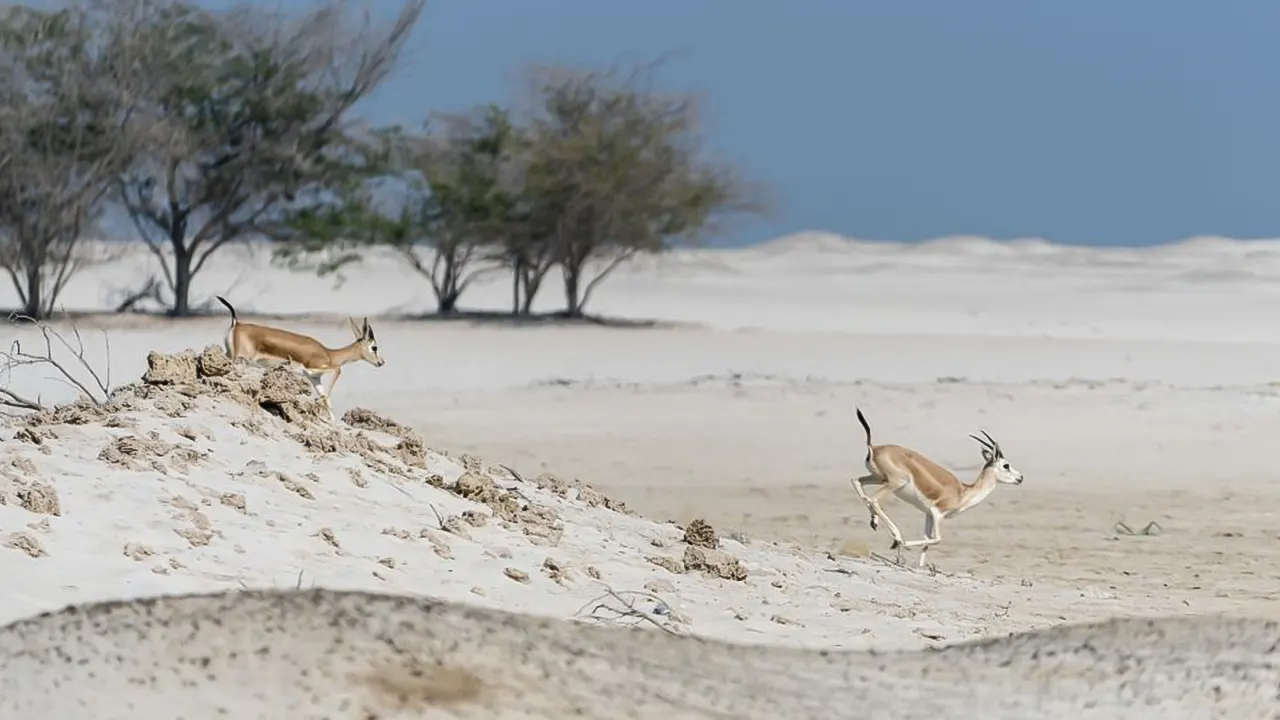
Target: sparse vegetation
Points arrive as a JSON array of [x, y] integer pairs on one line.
[[594, 169], [208, 127]]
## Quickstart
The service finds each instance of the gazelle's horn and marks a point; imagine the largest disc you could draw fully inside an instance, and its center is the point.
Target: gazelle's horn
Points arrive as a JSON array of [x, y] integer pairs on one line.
[[995, 446]]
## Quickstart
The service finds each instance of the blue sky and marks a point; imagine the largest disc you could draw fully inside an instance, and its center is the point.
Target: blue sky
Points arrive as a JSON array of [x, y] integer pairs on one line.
[[1085, 122]]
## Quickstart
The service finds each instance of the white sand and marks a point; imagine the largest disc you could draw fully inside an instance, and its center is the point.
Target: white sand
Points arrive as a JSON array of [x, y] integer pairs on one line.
[[1128, 385]]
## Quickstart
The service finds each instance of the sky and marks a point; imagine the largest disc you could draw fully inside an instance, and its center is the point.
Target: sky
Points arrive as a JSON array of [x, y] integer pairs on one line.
[[1087, 122]]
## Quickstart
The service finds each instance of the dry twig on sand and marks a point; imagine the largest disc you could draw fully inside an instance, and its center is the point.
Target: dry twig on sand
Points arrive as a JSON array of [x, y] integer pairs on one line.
[[620, 607], [515, 489], [16, 357], [1151, 528], [439, 517]]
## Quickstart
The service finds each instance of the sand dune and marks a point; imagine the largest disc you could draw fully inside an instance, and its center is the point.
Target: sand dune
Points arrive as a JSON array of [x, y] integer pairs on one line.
[[1132, 386], [238, 654]]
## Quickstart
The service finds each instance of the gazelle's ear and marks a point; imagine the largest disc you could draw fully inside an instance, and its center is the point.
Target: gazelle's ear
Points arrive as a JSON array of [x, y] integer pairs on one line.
[[355, 329], [986, 455], [368, 331]]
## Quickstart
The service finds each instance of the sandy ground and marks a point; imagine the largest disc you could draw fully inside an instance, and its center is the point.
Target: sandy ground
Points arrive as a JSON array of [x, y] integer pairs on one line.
[[1128, 386], [400, 658]]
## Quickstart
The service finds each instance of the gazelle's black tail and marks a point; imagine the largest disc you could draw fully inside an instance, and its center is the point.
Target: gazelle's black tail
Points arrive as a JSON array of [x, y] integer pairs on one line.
[[234, 319], [867, 427]]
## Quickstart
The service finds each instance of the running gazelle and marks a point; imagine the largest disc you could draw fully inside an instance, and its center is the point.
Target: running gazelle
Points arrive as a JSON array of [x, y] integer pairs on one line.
[[927, 486]]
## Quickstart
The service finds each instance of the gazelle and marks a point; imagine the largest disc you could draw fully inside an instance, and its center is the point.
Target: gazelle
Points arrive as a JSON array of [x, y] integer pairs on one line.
[[256, 343], [927, 486]]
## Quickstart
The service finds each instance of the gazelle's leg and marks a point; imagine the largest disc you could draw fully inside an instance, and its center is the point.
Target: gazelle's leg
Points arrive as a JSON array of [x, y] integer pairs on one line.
[[932, 534], [859, 486], [888, 485], [328, 396], [317, 383], [873, 502]]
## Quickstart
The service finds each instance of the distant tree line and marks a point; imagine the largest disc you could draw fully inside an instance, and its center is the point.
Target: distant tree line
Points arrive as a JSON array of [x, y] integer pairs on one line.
[[214, 127]]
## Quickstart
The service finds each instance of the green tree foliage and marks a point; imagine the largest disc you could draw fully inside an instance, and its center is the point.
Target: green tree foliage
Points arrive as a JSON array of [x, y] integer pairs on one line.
[[618, 169], [456, 202], [600, 168]]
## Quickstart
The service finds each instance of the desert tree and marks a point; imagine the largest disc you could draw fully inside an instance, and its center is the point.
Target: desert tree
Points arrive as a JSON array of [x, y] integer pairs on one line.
[[443, 198], [617, 168], [473, 180], [70, 120], [261, 102]]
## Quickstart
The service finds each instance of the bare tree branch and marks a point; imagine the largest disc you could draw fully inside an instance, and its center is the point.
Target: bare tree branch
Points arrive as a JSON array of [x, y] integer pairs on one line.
[[98, 392], [623, 609]]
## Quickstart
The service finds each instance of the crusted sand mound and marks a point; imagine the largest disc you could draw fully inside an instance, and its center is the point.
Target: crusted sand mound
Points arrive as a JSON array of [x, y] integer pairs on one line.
[[279, 403], [313, 654]]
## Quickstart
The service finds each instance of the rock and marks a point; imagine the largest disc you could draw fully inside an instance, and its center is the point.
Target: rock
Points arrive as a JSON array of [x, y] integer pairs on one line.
[[281, 385], [170, 369], [658, 585], [213, 362], [516, 574], [39, 498], [714, 562], [669, 564], [700, 534]]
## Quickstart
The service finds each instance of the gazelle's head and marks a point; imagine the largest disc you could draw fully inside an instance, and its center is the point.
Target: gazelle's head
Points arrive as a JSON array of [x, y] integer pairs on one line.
[[368, 343], [996, 462]]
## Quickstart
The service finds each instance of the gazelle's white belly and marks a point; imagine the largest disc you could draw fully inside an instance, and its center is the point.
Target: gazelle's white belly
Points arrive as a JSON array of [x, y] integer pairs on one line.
[[911, 496]]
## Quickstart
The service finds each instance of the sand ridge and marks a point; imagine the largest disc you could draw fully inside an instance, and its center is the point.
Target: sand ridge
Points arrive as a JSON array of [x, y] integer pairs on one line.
[[241, 654]]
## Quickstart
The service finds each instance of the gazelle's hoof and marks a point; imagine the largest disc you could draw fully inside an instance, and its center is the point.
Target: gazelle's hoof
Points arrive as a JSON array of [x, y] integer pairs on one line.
[[896, 544]]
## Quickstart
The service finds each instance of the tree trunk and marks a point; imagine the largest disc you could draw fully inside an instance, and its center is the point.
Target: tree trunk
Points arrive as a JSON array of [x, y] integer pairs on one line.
[[572, 298], [532, 283], [516, 271], [33, 307], [181, 283], [448, 294], [182, 257], [447, 303]]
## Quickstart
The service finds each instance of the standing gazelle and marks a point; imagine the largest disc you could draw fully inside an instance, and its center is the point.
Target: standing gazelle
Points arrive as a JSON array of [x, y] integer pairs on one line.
[[927, 486], [256, 343]]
